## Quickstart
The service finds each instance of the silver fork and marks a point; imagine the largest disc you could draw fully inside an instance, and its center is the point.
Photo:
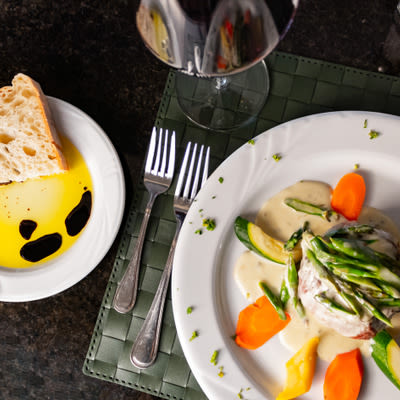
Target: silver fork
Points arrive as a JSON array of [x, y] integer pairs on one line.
[[157, 179], [144, 350]]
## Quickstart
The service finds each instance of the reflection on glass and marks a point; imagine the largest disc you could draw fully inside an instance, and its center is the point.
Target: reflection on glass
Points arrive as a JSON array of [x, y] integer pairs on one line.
[[210, 37]]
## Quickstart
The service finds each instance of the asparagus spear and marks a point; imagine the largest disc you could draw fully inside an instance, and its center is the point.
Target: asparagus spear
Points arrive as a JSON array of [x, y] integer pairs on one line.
[[311, 209], [274, 300], [292, 282], [371, 308], [381, 273], [352, 230], [332, 305], [389, 302], [295, 238], [323, 274], [284, 293]]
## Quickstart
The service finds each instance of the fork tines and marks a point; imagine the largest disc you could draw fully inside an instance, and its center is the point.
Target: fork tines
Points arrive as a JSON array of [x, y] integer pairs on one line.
[[195, 183], [154, 155]]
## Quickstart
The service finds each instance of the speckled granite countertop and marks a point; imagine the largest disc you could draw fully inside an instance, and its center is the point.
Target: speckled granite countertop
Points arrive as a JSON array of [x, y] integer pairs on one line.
[[89, 53]]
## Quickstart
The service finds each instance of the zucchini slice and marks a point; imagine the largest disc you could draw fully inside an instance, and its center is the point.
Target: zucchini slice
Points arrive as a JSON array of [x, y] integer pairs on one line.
[[386, 353], [256, 240]]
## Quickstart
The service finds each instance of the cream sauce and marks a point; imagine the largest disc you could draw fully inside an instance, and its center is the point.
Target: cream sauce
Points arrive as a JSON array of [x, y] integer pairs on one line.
[[280, 221]]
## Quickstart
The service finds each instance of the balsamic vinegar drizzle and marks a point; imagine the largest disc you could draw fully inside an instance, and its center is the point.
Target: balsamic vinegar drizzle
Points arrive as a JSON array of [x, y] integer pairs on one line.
[[40, 248], [78, 217], [26, 228], [46, 245]]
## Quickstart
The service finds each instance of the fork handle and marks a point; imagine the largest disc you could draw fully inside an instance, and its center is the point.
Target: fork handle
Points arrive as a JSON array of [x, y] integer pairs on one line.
[[144, 350], [125, 295]]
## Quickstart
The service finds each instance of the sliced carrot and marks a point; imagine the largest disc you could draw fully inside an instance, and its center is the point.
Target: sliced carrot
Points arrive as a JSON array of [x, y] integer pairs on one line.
[[257, 323], [348, 196], [344, 376]]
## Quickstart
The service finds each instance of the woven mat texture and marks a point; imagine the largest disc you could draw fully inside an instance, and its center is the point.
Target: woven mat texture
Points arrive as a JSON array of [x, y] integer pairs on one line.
[[299, 86]]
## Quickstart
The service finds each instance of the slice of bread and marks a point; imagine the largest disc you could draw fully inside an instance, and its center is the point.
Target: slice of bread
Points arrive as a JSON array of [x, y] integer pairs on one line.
[[29, 143]]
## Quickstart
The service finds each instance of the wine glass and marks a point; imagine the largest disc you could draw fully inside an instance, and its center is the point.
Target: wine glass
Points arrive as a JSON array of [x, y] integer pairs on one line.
[[218, 47]]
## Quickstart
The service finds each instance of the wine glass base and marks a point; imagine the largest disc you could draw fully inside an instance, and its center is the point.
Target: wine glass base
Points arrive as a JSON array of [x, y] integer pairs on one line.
[[223, 103]]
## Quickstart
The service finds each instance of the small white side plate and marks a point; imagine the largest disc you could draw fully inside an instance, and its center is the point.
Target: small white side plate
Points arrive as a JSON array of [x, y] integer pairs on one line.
[[70, 267]]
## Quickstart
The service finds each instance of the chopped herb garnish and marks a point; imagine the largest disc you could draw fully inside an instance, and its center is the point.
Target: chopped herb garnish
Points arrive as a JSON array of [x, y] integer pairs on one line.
[[233, 337], [365, 123], [220, 179], [209, 223], [194, 336], [373, 134], [198, 232], [251, 141], [189, 310], [221, 372], [356, 166], [240, 394], [201, 210], [213, 197], [276, 157], [214, 357]]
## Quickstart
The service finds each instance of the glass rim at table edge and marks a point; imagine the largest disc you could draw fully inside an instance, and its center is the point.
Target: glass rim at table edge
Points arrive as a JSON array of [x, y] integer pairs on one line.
[[179, 309]]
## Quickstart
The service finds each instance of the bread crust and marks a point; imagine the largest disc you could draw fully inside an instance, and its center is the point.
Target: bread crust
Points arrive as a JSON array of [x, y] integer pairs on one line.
[[30, 145], [50, 126]]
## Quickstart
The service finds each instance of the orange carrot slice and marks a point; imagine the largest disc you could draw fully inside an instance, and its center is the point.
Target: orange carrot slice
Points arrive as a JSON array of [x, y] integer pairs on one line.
[[348, 196], [257, 323], [344, 376]]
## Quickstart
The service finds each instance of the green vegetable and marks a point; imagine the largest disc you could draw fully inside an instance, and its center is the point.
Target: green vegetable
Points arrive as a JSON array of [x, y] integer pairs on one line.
[[295, 237], [345, 265], [292, 282], [256, 240], [371, 308], [189, 310], [198, 232], [284, 293], [276, 157], [373, 134], [274, 300], [214, 357], [209, 223], [386, 353], [332, 305], [308, 208]]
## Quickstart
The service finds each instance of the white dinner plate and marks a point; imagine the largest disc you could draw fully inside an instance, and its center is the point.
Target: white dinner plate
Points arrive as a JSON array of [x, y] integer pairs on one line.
[[319, 147], [74, 264]]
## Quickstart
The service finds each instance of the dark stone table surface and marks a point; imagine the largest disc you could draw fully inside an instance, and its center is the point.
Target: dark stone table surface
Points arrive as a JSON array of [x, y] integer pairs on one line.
[[89, 53]]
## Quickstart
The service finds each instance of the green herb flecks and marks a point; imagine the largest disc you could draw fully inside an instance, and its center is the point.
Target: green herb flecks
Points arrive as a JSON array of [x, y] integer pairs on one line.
[[195, 334], [276, 157], [209, 224], [221, 372], [373, 134], [214, 357], [251, 141], [220, 179], [356, 166], [198, 232], [189, 310], [365, 123]]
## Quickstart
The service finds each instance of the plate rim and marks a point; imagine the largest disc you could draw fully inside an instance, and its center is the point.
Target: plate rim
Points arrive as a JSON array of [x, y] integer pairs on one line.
[[61, 108], [203, 377]]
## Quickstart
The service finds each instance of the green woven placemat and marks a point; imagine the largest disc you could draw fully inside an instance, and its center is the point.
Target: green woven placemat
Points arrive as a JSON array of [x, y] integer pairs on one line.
[[299, 86]]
